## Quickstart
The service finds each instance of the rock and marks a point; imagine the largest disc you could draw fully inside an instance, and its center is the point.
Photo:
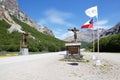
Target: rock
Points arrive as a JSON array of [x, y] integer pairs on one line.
[[15, 27], [1, 12], [47, 31]]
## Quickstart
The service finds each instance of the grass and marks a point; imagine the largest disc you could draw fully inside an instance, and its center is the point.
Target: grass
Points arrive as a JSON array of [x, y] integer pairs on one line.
[[75, 60], [104, 66], [9, 54]]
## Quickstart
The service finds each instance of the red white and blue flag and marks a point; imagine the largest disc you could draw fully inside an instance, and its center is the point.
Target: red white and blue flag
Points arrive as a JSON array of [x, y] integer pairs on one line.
[[88, 24]]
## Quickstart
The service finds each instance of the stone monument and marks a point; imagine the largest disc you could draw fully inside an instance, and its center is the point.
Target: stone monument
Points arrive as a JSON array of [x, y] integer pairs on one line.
[[73, 47], [24, 48]]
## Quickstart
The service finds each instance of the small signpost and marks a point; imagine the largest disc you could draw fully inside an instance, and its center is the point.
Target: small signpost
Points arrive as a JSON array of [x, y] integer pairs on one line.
[[73, 47]]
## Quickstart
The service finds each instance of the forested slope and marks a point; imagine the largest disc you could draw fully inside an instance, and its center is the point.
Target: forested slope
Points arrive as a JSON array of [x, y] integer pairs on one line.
[[42, 42]]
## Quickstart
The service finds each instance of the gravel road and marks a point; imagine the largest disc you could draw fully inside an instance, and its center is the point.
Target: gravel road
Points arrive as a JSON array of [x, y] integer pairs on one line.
[[49, 67]]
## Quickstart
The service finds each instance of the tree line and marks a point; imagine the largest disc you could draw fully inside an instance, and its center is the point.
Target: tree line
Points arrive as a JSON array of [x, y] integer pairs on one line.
[[107, 44]]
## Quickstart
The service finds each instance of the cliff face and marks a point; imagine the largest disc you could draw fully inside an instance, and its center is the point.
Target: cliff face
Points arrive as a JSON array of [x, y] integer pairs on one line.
[[111, 31], [10, 7]]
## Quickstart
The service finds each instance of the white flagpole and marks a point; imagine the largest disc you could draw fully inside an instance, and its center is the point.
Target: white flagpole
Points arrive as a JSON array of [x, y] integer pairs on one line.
[[98, 62], [93, 12], [93, 40], [93, 56], [97, 36]]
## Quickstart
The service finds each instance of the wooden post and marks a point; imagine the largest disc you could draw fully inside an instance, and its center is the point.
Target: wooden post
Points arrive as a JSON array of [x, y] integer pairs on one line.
[[24, 40], [24, 48]]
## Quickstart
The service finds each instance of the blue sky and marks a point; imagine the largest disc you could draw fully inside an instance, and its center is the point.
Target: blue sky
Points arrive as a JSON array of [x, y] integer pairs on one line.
[[59, 15]]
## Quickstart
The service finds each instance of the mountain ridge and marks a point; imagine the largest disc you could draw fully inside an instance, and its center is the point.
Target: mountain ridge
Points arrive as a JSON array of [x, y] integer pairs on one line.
[[11, 7], [114, 30], [14, 22]]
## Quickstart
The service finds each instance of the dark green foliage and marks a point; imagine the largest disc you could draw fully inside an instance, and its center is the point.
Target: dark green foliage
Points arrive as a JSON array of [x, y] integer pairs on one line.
[[90, 47], [8, 42], [42, 42], [85, 44], [109, 44]]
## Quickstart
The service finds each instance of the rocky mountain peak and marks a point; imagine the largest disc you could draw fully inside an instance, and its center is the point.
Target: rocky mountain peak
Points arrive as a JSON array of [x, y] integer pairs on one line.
[[11, 7], [111, 31]]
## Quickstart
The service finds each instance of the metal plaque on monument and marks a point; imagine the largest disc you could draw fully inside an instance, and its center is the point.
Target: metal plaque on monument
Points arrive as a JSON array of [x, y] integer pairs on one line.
[[73, 48], [24, 48]]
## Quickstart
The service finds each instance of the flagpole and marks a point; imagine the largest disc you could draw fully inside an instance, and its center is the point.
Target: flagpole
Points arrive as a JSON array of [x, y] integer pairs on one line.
[[98, 36], [98, 62], [93, 40], [97, 40], [93, 56], [93, 12]]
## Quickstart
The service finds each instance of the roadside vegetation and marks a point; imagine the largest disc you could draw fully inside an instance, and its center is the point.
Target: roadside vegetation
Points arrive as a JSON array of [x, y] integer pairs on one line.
[[108, 44]]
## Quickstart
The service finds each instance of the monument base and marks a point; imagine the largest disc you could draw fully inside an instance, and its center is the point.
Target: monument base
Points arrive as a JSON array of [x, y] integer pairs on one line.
[[24, 51], [73, 49], [98, 62]]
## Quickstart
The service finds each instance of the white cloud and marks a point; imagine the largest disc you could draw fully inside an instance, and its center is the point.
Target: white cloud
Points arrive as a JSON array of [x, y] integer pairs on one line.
[[42, 22], [56, 17], [59, 33], [53, 16], [102, 24], [67, 34]]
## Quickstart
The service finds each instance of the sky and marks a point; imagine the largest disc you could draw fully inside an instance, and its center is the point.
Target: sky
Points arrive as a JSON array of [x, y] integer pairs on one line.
[[61, 15]]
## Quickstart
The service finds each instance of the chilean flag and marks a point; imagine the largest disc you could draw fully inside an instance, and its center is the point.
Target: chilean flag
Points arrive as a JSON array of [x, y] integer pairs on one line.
[[88, 24]]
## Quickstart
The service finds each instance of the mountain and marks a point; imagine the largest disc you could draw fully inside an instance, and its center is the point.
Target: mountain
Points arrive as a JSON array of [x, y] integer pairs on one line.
[[13, 23], [10, 7], [37, 42], [111, 31], [85, 36]]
